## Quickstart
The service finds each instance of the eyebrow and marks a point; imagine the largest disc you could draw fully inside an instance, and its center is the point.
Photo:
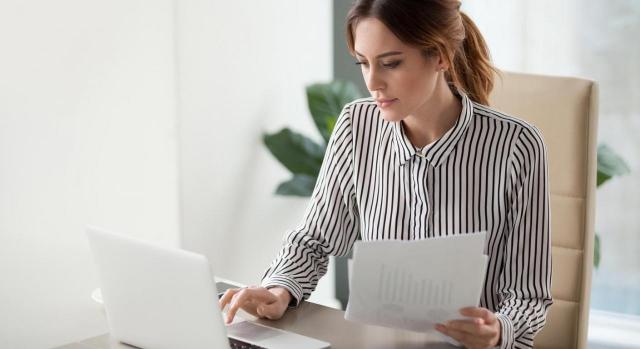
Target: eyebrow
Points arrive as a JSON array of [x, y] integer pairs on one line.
[[390, 53]]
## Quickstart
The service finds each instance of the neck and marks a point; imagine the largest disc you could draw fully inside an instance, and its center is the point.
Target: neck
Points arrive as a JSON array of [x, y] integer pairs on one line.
[[434, 118]]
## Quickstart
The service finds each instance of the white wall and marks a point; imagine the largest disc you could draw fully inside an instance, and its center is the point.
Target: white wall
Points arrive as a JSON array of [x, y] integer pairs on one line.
[[243, 68], [87, 136], [529, 36], [93, 98]]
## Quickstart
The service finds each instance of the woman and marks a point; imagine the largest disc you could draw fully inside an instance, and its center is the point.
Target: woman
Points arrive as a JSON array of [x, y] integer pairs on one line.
[[425, 157]]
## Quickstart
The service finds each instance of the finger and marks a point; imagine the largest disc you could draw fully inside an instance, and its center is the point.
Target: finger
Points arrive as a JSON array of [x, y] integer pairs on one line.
[[226, 298], [249, 299], [474, 327], [487, 315], [239, 300], [461, 337]]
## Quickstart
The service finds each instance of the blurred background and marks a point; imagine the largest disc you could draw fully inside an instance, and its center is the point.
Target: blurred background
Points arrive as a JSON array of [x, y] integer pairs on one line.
[[146, 117]]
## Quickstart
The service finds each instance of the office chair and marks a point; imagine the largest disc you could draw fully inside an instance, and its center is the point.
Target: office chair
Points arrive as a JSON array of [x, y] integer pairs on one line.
[[565, 110]]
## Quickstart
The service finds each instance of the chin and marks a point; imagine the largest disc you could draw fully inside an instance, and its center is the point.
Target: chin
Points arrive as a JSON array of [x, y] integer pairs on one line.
[[391, 116]]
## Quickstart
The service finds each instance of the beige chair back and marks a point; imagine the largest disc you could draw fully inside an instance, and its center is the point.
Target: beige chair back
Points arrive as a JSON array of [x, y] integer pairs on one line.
[[565, 111]]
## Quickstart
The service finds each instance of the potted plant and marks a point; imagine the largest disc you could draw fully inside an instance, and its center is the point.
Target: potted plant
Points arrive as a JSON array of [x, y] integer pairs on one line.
[[300, 154]]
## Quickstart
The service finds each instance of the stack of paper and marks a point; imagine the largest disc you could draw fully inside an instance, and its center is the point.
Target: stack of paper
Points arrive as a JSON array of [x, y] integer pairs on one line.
[[415, 284]]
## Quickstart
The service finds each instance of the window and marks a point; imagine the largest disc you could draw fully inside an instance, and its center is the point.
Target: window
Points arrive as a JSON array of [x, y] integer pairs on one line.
[[598, 40]]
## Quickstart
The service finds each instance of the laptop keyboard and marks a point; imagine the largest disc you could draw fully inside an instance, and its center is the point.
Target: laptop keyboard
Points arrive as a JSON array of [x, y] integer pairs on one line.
[[238, 344]]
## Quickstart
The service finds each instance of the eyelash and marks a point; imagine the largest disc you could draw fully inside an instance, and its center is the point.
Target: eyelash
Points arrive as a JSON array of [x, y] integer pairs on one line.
[[388, 66]]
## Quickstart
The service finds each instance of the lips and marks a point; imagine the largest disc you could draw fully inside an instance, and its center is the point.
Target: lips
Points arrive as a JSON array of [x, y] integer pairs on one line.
[[385, 102]]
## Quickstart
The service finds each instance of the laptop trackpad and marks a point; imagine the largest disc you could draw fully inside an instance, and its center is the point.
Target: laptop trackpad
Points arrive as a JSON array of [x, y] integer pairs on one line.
[[272, 338], [250, 331]]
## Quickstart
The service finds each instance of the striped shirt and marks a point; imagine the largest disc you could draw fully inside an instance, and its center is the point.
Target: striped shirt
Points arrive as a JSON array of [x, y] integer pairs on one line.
[[487, 173]]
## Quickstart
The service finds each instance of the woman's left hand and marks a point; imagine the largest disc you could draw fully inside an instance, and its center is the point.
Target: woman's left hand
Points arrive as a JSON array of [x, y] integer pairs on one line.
[[480, 331]]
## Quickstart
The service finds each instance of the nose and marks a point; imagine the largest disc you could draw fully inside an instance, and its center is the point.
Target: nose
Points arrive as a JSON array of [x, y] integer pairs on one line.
[[373, 80]]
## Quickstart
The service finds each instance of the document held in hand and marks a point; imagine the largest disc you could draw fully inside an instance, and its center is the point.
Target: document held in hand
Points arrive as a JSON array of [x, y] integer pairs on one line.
[[415, 284]]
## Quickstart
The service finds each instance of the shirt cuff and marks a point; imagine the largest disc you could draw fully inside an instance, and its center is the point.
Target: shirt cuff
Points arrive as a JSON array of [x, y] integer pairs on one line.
[[506, 335], [288, 283]]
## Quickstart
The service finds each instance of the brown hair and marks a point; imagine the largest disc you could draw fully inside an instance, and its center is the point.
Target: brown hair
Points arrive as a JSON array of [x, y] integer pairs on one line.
[[437, 27]]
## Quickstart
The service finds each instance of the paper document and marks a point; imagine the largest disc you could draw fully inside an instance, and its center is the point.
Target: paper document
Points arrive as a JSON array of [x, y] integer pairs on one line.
[[415, 284]]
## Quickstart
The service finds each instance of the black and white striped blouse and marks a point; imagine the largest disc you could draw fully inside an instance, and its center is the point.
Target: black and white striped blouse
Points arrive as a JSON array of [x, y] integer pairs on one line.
[[487, 173]]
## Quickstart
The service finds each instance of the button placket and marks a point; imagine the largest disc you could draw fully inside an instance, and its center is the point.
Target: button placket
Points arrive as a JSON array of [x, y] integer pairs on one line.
[[419, 172]]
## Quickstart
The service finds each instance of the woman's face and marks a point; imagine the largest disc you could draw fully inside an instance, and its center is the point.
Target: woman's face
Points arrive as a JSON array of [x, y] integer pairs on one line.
[[400, 77]]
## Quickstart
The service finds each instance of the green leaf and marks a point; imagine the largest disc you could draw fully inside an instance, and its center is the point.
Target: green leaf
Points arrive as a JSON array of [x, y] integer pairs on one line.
[[596, 252], [296, 152], [602, 177], [326, 101], [299, 185], [610, 164], [331, 123]]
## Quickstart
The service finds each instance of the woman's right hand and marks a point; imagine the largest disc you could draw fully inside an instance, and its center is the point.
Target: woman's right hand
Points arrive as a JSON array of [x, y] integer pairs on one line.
[[258, 301]]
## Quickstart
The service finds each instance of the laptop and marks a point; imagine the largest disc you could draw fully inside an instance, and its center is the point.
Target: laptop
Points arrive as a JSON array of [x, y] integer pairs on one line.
[[158, 297]]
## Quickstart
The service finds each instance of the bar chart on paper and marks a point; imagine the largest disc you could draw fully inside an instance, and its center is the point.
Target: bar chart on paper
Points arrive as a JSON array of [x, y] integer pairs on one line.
[[396, 285], [414, 285]]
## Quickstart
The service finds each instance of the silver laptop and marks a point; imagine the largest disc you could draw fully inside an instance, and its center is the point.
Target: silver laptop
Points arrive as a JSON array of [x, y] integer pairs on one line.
[[159, 297]]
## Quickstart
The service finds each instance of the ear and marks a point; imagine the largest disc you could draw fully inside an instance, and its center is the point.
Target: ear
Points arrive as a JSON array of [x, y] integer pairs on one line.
[[442, 63], [435, 58]]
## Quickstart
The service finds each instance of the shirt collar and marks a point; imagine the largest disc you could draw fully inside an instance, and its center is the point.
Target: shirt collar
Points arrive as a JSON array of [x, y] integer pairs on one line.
[[442, 147]]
